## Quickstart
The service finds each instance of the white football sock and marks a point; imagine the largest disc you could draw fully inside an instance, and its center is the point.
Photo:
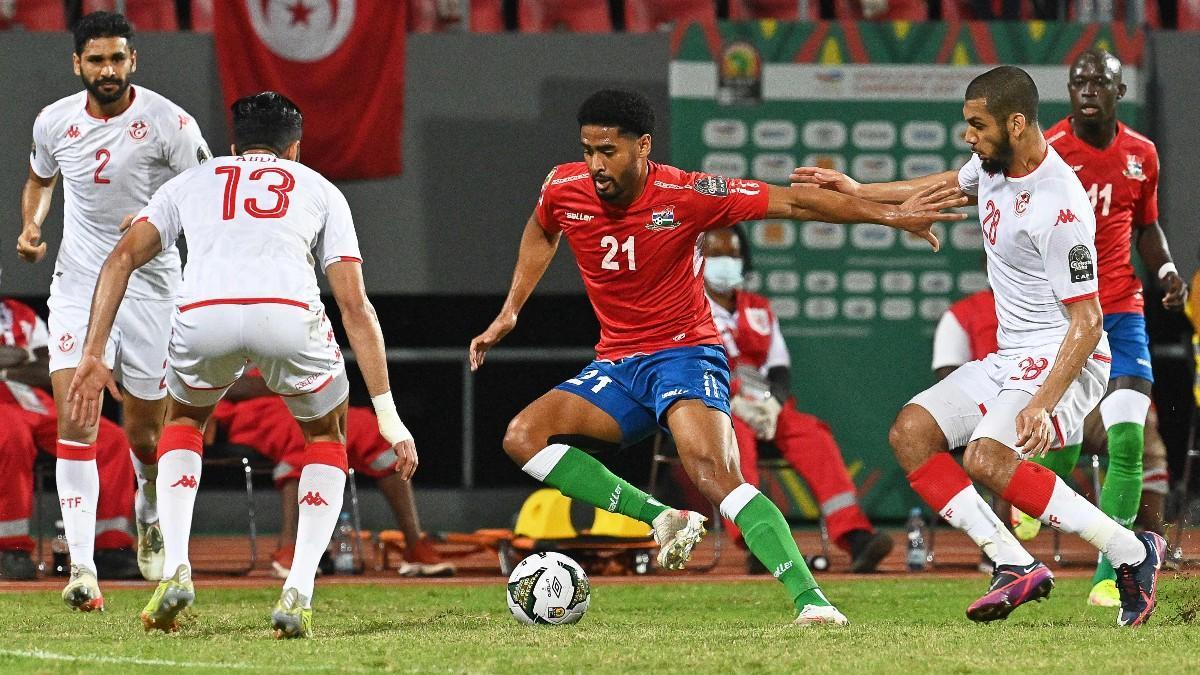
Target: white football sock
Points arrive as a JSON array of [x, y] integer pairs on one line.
[[968, 512], [178, 481], [145, 503], [1070, 512], [320, 497], [78, 491]]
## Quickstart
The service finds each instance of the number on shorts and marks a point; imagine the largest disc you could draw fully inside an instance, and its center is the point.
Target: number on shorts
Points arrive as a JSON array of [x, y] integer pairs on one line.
[[1031, 368], [229, 203], [103, 155], [601, 381]]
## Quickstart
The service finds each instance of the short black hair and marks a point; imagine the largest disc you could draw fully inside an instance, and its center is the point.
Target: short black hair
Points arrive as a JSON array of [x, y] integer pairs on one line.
[[629, 111], [267, 121], [101, 25], [1007, 90]]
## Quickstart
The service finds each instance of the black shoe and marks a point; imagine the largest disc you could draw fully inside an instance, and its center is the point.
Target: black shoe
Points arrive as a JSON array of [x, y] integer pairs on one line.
[[869, 552], [116, 563], [1138, 584], [17, 566]]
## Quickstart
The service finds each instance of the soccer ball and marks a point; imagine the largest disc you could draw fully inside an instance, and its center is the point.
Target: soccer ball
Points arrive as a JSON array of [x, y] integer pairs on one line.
[[548, 588]]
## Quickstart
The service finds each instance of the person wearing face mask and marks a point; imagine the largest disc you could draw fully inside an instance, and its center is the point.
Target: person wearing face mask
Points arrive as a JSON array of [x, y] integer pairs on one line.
[[763, 408]]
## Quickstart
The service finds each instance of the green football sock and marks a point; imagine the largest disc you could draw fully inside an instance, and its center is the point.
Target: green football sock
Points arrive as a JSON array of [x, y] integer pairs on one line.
[[769, 538], [1122, 491], [580, 476], [1061, 462]]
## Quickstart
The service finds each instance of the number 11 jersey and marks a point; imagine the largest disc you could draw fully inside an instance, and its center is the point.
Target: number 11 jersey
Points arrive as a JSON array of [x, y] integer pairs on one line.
[[641, 264]]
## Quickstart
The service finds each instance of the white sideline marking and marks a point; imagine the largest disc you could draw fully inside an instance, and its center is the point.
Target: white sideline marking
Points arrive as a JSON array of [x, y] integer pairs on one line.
[[134, 661]]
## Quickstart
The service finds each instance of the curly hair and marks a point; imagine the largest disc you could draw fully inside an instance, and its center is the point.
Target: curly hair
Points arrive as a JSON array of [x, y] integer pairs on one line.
[[629, 111], [101, 25]]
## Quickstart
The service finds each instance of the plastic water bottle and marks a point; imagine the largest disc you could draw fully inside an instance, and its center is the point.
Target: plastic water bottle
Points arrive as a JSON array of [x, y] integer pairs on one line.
[[343, 545], [918, 552], [60, 561]]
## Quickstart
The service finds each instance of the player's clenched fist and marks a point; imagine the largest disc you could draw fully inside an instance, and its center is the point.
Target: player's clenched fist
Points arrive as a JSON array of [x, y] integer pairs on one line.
[[30, 246], [501, 326]]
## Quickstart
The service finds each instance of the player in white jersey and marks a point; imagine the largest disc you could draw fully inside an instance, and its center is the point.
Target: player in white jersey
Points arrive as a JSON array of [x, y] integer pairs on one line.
[[114, 145], [254, 224], [1052, 367]]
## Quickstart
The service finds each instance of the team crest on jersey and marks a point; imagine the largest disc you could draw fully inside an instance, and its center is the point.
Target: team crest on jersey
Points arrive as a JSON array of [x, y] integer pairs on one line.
[[1133, 167], [138, 130], [713, 186], [1080, 261], [1022, 203], [759, 320], [663, 219]]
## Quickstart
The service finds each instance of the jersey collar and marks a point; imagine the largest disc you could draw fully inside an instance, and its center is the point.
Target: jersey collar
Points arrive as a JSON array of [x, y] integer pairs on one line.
[[132, 102]]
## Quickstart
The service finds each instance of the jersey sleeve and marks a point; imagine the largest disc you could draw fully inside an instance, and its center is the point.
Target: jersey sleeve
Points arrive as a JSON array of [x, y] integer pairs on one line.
[[1146, 210], [545, 210], [163, 214], [968, 177], [777, 353], [185, 146], [951, 344], [1067, 245], [719, 202], [41, 157], [339, 241]]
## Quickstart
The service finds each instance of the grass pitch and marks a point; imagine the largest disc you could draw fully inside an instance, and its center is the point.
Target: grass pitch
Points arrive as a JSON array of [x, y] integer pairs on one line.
[[900, 624]]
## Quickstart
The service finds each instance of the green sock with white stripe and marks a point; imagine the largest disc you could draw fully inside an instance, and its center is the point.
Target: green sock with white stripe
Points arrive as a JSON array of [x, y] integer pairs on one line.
[[582, 477], [769, 538]]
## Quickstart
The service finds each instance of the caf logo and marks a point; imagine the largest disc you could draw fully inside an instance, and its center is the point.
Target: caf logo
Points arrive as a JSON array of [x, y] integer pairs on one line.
[[304, 30]]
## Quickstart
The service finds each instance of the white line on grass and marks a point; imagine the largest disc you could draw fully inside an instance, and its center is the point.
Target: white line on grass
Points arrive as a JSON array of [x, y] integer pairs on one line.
[[134, 661]]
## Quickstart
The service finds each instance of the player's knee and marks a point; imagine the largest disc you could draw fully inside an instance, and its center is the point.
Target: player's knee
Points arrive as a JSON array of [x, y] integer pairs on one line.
[[910, 429], [520, 439], [980, 462]]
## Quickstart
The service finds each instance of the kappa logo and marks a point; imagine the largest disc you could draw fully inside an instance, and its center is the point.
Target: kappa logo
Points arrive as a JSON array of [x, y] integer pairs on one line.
[[1066, 216], [1054, 521], [186, 481], [1133, 168], [73, 131], [138, 129], [991, 222], [313, 499], [663, 219], [1022, 204], [783, 567], [66, 343], [184, 120]]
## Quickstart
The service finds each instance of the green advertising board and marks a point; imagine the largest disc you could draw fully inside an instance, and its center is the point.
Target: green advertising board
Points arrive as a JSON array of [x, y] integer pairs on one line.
[[880, 101]]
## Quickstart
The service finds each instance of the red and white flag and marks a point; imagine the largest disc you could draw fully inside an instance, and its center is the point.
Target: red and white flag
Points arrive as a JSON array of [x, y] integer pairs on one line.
[[341, 61]]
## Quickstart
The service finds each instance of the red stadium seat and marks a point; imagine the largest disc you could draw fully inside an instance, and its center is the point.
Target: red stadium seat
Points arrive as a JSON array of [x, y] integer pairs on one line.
[[784, 10], [960, 10], [1189, 15], [145, 15], [644, 16], [576, 16], [202, 16], [40, 15], [897, 10], [435, 16]]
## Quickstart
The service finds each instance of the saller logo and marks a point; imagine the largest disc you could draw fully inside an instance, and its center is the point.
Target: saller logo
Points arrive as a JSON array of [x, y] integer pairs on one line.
[[613, 501], [1079, 259]]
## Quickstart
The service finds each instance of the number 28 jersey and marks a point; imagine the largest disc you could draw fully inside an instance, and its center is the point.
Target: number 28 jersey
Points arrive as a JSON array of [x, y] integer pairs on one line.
[[110, 167], [255, 225], [641, 264]]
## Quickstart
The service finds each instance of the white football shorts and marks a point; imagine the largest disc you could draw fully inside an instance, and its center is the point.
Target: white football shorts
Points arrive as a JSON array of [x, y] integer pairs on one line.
[[291, 342], [981, 399], [137, 346]]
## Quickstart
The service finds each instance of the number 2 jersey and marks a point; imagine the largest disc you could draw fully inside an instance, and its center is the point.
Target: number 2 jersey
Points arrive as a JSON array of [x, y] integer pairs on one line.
[[255, 225], [110, 167], [1122, 182], [641, 264]]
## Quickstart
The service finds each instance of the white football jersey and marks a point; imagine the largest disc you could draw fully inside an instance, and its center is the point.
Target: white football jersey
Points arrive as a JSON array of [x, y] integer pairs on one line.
[[110, 168], [255, 225], [1039, 233]]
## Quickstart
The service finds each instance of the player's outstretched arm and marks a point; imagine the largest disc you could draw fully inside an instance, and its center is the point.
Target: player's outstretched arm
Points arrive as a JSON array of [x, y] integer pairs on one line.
[[35, 204], [536, 252], [1035, 432], [366, 339], [894, 192], [917, 214], [1152, 246], [139, 245]]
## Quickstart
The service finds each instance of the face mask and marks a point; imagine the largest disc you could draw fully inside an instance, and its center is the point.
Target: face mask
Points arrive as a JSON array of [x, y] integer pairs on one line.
[[723, 273]]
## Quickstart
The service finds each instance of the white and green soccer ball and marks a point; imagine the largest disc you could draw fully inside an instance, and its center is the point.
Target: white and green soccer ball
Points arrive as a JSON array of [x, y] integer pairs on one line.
[[548, 588]]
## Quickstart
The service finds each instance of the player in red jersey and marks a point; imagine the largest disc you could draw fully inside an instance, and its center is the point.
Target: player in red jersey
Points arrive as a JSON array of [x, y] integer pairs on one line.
[[1119, 169], [634, 226]]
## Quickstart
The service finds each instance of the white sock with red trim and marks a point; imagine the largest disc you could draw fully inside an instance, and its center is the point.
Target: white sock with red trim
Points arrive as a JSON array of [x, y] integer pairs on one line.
[[968, 512], [78, 484], [1070, 512], [177, 483], [320, 500]]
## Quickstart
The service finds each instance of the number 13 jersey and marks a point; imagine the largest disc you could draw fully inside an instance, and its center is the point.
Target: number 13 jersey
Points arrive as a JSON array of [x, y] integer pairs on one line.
[[641, 264], [110, 166], [255, 224]]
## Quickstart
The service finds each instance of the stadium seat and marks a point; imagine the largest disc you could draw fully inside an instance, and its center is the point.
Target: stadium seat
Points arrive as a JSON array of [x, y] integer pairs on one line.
[[897, 10], [145, 15], [964, 10], [435, 16], [645, 16], [33, 15], [576, 16], [1122, 9], [1189, 15], [202, 16], [784, 10]]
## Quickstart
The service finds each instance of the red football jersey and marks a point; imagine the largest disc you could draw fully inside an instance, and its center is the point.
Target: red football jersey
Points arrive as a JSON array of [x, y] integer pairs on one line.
[[976, 313], [641, 264], [1122, 181]]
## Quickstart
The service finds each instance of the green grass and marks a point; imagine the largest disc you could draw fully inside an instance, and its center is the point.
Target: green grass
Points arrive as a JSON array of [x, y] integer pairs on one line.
[[899, 625]]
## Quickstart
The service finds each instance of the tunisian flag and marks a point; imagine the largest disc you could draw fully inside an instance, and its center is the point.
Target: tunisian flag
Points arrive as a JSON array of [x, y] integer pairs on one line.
[[341, 61]]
